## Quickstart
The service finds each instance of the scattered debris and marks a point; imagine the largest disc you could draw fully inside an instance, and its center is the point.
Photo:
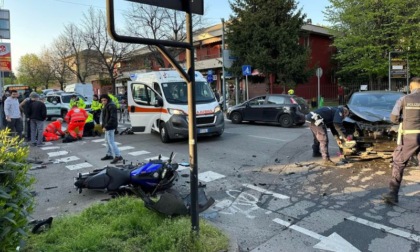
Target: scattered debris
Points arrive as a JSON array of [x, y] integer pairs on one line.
[[185, 175], [37, 167], [262, 184], [254, 155], [277, 160], [41, 225], [51, 187]]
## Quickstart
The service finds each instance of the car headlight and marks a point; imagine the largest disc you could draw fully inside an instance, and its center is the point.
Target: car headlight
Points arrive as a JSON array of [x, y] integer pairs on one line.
[[176, 111], [217, 109], [229, 109]]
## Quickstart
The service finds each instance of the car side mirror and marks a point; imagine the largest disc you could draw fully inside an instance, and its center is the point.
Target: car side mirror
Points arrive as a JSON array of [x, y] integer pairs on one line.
[[159, 102]]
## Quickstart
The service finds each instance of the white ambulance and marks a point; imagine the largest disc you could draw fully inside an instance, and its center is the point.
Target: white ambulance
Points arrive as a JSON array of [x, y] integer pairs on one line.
[[157, 101]]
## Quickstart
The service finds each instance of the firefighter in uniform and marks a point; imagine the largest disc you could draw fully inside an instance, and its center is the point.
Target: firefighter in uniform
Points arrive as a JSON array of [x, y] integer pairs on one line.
[[406, 112], [96, 109], [53, 130], [77, 101], [320, 120], [76, 118]]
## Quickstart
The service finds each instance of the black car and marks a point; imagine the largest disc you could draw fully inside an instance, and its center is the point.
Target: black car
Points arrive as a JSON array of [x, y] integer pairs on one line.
[[288, 110], [369, 122]]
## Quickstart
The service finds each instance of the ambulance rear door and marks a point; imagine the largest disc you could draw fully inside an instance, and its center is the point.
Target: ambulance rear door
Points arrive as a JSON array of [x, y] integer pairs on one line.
[[145, 106]]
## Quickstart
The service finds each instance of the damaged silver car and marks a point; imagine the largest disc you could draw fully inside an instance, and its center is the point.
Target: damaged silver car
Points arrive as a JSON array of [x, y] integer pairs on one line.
[[369, 122]]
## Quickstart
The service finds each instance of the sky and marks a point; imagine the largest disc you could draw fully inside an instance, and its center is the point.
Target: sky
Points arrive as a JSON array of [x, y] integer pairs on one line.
[[34, 24]]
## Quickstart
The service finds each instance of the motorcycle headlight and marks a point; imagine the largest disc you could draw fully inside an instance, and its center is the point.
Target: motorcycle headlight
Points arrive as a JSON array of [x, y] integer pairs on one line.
[[176, 111]]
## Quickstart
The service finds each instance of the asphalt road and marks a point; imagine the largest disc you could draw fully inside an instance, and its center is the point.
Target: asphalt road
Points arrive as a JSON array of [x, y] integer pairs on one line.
[[271, 195]]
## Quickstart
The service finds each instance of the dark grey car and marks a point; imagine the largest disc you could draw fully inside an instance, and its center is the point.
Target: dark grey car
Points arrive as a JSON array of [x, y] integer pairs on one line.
[[287, 110]]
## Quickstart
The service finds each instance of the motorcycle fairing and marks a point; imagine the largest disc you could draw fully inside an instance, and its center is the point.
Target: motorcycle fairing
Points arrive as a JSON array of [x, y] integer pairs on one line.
[[111, 179]]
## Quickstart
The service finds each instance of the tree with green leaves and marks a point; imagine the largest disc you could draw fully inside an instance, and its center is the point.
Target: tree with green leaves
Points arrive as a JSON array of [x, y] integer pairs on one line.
[[29, 70], [265, 35], [366, 31]]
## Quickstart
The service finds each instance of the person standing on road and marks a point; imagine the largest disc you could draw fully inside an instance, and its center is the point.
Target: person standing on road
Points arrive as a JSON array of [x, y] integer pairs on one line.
[[96, 109], [109, 125], [406, 112], [37, 115], [12, 113], [24, 106], [320, 120]]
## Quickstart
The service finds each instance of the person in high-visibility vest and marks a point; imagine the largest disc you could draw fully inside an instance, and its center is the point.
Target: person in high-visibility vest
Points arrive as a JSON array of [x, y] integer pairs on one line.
[[96, 109], [76, 118], [291, 92], [89, 126], [114, 100], [77, 101], [53, 130]]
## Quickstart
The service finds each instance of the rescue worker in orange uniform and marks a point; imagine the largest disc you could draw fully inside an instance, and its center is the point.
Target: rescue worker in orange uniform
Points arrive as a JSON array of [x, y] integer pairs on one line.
[[53, 131], [76, 118]]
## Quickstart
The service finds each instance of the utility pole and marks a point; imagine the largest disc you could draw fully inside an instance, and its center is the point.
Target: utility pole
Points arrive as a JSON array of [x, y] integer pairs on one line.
[[223, 65]]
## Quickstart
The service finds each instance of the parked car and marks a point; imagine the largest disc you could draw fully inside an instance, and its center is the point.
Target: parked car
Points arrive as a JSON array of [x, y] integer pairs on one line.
[[369, 122], [287, 110], [58, 103]]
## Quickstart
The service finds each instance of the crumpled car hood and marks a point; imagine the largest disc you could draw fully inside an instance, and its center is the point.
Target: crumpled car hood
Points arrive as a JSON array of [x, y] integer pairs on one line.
[[371, 114]]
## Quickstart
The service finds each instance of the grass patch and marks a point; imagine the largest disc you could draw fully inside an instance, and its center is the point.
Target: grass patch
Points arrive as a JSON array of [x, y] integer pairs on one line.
[[124, 224]]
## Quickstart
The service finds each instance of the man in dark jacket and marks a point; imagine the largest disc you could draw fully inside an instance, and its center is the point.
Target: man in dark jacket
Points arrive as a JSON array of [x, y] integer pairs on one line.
[[406, 112], [37, 114], [109, 125], [320, 120]]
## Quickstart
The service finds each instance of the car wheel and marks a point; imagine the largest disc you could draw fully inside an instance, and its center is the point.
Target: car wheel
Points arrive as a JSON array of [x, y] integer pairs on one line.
[[286, 121], [236, 117], [163, 130], [63, 113]]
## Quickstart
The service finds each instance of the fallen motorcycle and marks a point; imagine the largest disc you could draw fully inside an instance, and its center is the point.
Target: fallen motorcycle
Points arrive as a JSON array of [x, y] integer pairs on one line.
[[151, 181], [150, 177]]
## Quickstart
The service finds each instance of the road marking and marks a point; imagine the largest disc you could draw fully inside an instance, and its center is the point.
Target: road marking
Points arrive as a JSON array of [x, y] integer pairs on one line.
[[57, 153], [334, 242], [50, 148], [209, 176], [138, 153], [265, 191], [66, 159], [125, 148], [79, 166], [48, 143], [98, 140], [384, 228], [270, 138], [116, 143], [157, 157], [244, 203]]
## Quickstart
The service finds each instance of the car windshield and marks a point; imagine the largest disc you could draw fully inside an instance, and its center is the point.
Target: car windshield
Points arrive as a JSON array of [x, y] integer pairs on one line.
[[66, 98], [375, 100], [176, 92]]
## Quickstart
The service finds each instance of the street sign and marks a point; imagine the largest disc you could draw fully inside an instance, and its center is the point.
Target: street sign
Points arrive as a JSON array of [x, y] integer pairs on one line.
[[319, 72], [5, 57], [209, 76], [246, 70], [197, 6], [4, 24]]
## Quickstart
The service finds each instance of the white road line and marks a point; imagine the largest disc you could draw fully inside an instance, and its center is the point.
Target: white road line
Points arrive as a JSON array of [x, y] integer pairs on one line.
[[209, 176], [66, 159], [125, 148], [262, 190], [153, 158], [98, 140], [50, 148], [384, 228], [79, 166], [115, 143], [57, 153], [48, 143], [270, 138], [138, 153], [299, 229]]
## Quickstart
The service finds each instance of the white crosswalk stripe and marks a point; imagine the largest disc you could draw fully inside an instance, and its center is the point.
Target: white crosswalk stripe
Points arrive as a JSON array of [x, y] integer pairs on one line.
[[57, 153], [123, 148], [50, 148], [209, 176], [98, 140], [138, 153], [79, 166]]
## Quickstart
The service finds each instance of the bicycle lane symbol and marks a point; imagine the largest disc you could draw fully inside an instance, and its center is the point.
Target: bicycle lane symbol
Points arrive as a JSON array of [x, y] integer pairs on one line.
[[242, 202]]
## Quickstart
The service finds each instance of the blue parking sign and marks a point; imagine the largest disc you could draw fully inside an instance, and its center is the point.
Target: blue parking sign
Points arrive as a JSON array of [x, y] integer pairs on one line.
[[210, 76], [246, 70]]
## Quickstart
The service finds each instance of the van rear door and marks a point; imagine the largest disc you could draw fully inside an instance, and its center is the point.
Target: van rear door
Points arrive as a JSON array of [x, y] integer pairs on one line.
[[143, 107]]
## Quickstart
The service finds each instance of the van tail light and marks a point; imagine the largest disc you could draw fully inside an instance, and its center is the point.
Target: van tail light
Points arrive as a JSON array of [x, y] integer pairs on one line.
[[293, 101]]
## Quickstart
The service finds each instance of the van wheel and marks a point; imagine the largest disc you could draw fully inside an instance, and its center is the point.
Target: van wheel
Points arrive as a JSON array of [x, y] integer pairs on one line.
[[236, 117], [63, 113], [286, 121], [163, 130]]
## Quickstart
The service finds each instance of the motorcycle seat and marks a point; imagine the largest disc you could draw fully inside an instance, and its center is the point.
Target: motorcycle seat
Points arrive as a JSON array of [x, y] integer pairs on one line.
[[118, 177]]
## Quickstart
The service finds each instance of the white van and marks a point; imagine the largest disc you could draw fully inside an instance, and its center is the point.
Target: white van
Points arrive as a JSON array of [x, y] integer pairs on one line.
[[158, 102], [86, 90]]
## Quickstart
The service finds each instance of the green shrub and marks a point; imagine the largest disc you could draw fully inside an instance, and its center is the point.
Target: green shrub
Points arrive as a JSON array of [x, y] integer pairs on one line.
[[16, 201]]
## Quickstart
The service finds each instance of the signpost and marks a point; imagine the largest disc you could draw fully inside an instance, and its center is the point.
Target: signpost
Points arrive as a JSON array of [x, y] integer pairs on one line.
[[196, 6], [246, 71], [319, 74], [210, 76]]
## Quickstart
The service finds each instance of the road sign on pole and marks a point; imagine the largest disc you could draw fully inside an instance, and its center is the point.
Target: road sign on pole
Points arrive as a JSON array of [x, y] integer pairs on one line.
[[246, 70], [210, 76]]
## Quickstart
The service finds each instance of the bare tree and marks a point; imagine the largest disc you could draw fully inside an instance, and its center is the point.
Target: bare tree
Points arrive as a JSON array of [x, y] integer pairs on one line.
[[107, 51], [46, 72], [58, 61], [153, 22], [80, 58]]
